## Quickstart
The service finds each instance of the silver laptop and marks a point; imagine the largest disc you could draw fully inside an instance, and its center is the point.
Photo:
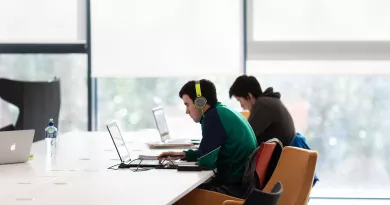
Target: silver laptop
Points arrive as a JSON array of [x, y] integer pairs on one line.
[[161, 123], [15, 146], [123, 151], [162, 127]]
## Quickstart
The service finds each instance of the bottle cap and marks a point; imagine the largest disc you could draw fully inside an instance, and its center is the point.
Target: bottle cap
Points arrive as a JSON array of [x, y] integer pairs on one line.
[[51, 123]]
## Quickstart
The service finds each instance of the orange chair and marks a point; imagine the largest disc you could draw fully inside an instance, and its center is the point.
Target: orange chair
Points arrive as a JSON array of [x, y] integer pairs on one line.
[[263, 157], [200, 196], [245, 114], [295, 170]]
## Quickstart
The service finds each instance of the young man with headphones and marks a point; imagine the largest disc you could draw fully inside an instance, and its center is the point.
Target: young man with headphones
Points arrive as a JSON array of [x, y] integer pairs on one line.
[[227, 137]]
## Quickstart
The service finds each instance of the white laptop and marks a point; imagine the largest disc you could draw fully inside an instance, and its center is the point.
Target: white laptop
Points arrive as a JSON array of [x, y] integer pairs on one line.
[[162, 127], [15, 146]]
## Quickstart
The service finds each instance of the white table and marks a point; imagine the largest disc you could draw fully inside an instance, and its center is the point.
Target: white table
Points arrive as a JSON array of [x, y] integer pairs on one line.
[[79, 175]]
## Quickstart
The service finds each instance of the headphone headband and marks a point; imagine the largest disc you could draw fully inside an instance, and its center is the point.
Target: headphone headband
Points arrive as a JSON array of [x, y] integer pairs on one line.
[[197, 89], [200, 101]]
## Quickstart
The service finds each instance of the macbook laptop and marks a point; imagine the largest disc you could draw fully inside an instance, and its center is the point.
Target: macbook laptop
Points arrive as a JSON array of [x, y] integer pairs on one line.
[[123, 152], [162, 127], [15, 146]]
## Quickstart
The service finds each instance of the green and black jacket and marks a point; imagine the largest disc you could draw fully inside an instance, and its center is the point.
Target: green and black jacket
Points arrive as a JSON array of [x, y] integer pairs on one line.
[[228, 140]]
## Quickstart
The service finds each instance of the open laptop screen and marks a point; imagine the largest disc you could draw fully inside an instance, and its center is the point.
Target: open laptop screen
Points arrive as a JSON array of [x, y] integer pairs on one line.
[[119, 143], [161, 123]]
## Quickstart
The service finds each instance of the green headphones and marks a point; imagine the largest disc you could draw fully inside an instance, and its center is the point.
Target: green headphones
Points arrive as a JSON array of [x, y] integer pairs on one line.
[[200, 101]]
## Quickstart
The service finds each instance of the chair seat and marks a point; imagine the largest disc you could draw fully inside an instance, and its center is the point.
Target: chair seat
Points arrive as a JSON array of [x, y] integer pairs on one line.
[[201, 196]]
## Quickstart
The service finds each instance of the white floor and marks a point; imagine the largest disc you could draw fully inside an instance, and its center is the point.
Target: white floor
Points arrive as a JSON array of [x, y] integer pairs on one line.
[[347, 202]]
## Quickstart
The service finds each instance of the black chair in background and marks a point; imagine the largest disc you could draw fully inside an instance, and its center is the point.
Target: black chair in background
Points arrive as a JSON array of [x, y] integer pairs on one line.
[[7, 128], [37, 103]]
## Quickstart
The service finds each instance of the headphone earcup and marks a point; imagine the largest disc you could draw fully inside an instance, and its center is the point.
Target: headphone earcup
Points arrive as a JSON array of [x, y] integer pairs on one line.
[[200, 102]]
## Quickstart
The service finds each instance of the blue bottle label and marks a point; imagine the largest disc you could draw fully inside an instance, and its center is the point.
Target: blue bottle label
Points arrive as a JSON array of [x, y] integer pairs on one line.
[[51, 133]]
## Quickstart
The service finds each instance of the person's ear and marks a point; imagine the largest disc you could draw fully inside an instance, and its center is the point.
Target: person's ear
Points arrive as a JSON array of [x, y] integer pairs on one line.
[[250, 97]]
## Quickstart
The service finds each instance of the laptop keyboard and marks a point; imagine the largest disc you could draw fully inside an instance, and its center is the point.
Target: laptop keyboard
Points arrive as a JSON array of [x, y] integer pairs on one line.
[[146, 162]]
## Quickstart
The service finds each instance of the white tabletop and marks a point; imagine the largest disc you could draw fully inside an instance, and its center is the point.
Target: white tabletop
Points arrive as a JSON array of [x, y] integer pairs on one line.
[[78, 174]]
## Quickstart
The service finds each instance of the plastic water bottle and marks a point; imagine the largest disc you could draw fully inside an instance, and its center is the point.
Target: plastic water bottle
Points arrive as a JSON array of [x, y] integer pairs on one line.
[[51, 138]]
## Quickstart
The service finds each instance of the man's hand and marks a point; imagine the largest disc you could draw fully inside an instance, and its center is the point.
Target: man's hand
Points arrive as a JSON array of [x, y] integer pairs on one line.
[[171, 155]]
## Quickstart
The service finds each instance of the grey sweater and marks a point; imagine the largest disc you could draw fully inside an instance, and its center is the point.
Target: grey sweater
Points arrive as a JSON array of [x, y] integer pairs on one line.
[[269, 119]]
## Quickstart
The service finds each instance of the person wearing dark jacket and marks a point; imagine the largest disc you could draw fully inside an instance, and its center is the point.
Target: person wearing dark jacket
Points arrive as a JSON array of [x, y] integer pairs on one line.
[[268, 117]]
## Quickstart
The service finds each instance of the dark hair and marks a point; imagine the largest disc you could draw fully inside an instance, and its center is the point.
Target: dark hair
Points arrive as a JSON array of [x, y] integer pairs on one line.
[[207, 88], [244, 85]]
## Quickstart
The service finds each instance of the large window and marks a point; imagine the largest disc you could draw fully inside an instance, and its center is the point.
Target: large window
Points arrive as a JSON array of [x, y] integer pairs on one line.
[[70, 69], [330, 61], [342, 109], [30, 26]]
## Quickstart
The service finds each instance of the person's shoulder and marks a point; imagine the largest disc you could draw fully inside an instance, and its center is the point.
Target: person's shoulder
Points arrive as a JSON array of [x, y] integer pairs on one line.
[[267, 102], [225, 110], [218, 111], [211, 114], [230, 116]]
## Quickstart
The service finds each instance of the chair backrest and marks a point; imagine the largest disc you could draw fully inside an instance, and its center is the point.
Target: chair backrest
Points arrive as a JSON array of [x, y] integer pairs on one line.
[[300, 141], [7, 128], [263, 157], [265, 198], [37, 103], [257, 166], [295, 170]]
